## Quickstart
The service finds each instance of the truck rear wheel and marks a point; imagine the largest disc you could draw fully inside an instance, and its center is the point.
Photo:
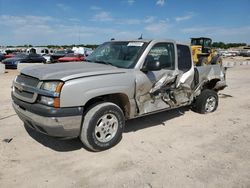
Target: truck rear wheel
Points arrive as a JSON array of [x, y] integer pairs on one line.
[[206, 102], [102, 126]]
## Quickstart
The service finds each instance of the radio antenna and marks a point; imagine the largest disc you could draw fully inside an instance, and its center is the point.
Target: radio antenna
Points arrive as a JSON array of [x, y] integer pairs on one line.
[[140, 37]]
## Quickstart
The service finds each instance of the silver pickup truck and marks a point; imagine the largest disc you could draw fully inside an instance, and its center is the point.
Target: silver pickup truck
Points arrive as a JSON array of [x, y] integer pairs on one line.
[[120, 80]]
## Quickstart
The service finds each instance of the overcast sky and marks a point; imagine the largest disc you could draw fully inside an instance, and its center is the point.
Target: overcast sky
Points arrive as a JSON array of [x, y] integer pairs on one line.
[[95, 21]]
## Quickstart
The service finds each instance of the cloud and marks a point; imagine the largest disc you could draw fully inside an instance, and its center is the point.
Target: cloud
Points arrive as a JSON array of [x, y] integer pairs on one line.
[[132, 21], [160, 2], [63, 7], [74, 20], [183, 18], [95, 8], [38, 30], [218, 30], [103, 17], [13, 21], [195, 30], [136, 21], [158, 28], [149, 19], [130, 2], [229, 34], [127, 35]]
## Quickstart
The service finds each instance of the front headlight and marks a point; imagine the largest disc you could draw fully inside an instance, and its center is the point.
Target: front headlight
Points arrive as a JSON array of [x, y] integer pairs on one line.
[[54, 87]]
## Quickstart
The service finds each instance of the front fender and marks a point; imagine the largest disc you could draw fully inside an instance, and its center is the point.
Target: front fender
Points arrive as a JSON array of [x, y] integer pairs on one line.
[[78, 91]]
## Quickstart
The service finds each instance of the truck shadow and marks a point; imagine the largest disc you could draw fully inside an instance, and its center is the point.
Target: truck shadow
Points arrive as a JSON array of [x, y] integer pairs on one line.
[[133, 125], [154, 119], [55, 143]]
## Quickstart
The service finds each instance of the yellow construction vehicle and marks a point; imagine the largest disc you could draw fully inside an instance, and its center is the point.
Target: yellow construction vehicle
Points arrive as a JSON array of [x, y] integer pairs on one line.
[[203, 53]]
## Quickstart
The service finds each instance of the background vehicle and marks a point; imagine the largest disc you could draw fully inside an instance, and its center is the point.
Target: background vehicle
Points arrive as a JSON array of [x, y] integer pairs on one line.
[[58, 54], [82, 50], [227, 54], [72, 57], [10, 55], [47, 57], [1, 57], [39, 50], [202, 52], [246, 53], [23, 58], [120, 80]]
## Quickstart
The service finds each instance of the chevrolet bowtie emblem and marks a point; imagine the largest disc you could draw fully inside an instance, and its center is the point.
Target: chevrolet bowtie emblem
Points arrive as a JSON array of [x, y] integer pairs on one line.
[[19, 87]]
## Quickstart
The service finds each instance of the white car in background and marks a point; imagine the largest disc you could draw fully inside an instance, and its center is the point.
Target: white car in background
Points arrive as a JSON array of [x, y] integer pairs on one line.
[[47, 57], [227, 54]]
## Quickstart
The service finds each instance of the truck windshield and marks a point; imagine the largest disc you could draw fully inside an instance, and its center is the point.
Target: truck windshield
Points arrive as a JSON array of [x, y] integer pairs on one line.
[[119, 54]]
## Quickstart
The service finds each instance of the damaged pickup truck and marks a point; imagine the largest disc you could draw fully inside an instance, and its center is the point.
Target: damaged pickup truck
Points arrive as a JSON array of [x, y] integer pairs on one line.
[[120, 80]]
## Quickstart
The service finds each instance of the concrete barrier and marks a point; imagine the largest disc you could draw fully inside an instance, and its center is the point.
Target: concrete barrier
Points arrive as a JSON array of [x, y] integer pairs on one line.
[[2, 68], [20, 66]]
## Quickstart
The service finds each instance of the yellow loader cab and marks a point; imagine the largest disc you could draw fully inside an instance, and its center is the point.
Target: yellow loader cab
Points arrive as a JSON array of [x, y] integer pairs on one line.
[[202, 52]]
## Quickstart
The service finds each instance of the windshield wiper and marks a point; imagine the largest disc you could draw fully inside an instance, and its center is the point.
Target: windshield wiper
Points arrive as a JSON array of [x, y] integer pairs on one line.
[[99, 61], [103, 62], [88, 60]]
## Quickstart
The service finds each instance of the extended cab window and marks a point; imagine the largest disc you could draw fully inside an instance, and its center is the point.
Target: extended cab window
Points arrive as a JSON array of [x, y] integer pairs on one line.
[[164, 53], [184, 58]]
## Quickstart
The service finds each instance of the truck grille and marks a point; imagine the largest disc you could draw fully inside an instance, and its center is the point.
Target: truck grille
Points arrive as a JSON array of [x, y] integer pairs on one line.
[[27, 80], [24, 88]]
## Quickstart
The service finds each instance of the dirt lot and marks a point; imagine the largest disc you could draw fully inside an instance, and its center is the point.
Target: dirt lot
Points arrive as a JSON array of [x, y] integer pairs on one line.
[[178, 148]]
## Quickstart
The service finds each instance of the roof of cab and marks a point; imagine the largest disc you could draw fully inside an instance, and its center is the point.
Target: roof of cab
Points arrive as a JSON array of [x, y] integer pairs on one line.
[[152, 40]]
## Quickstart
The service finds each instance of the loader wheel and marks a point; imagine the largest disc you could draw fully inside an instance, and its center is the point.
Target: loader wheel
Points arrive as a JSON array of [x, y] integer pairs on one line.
[[206, 102], [218, 61], [203, 61], [102, 126]]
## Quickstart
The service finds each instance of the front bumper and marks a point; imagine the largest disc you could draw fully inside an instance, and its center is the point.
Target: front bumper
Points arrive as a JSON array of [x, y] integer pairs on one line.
[[57, 122], [10, 66]]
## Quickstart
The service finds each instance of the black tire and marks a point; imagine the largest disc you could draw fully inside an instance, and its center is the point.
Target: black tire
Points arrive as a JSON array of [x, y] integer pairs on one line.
[[203, 61], [218, 61], [102, 126], [206, 102]]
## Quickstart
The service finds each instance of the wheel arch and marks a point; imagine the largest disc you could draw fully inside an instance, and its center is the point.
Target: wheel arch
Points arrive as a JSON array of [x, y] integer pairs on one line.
[[211, 84], [120, 99]]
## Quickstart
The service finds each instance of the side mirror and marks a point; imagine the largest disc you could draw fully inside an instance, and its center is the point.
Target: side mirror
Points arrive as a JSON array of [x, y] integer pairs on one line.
[[151, 65]]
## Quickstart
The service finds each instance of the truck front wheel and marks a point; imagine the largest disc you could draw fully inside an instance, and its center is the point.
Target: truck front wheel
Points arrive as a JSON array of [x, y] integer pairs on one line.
[[206, 102], [102, 126]]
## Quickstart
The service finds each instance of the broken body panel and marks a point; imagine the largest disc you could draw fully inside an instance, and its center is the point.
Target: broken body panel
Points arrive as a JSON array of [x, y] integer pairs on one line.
[[137, 90]]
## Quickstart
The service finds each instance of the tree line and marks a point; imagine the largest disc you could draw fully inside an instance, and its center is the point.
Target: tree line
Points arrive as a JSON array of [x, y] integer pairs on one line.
[[93, 46], [227, 45]]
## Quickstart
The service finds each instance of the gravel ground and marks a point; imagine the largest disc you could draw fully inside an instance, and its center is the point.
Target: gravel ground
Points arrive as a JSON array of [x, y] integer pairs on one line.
[[177, 148]]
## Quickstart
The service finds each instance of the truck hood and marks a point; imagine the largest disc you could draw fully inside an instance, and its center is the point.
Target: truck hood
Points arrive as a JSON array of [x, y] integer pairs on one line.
[[68, 71]]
